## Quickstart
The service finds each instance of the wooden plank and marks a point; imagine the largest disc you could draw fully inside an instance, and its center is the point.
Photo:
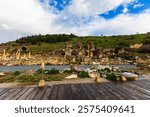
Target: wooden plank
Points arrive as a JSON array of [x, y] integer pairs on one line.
[[102, 93], [40, 93], [138, 88], [119, 90], [128, 91], [76, 92], [13, 94], [107, 92], [81, 92], [74, 89], [145, 94], [99, 92], [26, 94], [111, 90], [3, 91], [67, 92], [33, 93], [142, 85], [91, 92], [60, 95], [87, 92], [95, 92], [131, 92], [54, 92], [148, 80], [10, 91], [47, 93], [20, 93]]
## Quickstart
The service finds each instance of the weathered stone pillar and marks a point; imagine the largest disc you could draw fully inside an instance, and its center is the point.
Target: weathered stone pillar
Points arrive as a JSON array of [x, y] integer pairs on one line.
[[18, 54], [29, 56], [4, 54]]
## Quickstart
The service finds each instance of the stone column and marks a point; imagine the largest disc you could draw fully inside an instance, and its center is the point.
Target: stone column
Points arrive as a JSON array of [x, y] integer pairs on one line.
[[18, 54], [29, 56], [4, 54]]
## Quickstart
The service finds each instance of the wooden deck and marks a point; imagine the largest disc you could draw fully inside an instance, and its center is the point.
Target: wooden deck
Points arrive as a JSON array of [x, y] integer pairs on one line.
[[136, 90]]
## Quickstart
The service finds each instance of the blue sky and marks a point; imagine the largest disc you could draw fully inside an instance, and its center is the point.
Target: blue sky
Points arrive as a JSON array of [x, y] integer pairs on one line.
[[82, 17], [133, 8]]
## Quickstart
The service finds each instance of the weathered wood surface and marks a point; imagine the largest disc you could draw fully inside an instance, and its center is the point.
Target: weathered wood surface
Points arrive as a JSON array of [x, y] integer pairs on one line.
[[135, 90]]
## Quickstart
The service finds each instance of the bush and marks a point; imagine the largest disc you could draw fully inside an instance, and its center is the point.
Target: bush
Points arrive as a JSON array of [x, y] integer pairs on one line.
[[147, 41], [52, 71], [16, 73], [83, 74], [111, 77], [107, 70], [67, 71], [39, 71]]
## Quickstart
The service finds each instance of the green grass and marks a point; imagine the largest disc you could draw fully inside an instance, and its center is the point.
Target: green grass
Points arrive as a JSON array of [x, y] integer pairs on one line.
[[111, 41], [15, 77], [101, 42], [83, 74], [45, 47]]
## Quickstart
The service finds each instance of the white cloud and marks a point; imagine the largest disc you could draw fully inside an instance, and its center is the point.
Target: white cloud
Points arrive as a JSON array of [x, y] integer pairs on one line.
[[125, 10], [122, 24], [95, 7], [26, 17], [138, 5], [6, 27]]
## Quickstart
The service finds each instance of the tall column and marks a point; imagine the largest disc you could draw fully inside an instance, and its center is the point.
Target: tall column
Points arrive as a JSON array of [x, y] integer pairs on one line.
[[18, 54], [29, 55], [4, 54]]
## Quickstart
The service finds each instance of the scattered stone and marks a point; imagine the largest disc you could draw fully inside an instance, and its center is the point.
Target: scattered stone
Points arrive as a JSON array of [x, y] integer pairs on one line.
[[2, 74], [93, 75], [124, 79], [73, 76], [42, 83], [129, 76], [100, 67], [115, 68], [98, 80], [118, 77]]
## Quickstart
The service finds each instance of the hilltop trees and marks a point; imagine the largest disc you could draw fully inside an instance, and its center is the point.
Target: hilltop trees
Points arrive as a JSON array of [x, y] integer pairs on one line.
[[45, 38]]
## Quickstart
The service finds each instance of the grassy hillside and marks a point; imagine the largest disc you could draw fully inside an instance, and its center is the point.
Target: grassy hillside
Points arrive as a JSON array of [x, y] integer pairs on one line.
[[45, 43]]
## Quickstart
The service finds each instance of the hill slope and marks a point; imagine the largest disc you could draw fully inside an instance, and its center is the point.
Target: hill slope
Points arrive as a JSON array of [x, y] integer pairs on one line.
[[44, 43]]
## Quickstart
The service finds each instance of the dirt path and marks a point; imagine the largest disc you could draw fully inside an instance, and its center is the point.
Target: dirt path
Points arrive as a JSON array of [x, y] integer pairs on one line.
[[50, 83]]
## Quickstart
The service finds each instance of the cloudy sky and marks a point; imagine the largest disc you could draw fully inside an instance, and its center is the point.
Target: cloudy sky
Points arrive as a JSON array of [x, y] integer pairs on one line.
[[82, 17]]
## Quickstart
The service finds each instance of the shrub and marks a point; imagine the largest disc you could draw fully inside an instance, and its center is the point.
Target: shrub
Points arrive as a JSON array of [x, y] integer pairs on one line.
[[107, 70], [83, 74], [16, 73], [111, 77], [147, 41], [39, 71], [67, 71], [53, 71]]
